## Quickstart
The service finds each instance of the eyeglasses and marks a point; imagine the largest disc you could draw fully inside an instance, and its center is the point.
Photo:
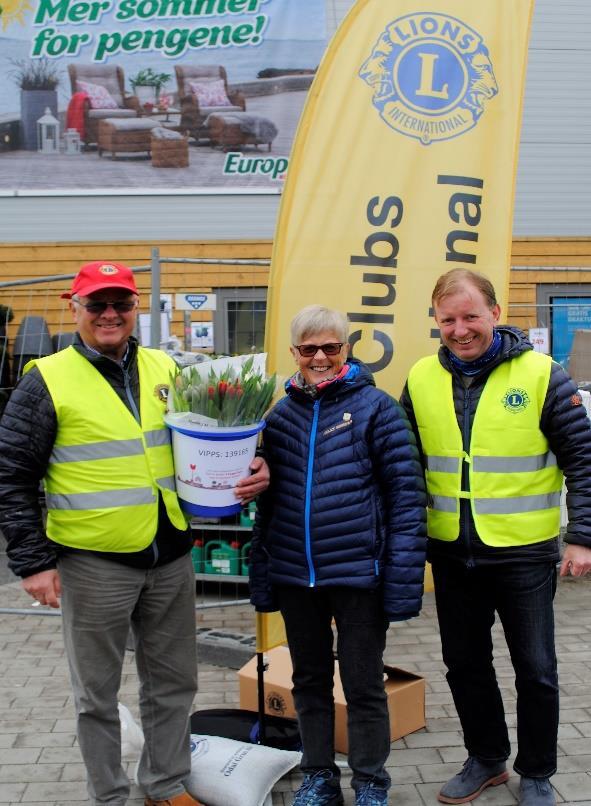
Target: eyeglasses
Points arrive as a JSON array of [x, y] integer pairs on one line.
[[309, 350], [119, 306]]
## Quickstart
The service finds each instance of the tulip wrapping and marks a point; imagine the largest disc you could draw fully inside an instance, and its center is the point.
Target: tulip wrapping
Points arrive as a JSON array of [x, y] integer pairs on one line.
[[231, 396]]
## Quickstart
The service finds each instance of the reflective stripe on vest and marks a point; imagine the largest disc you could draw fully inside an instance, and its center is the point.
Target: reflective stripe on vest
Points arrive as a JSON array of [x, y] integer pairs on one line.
[[109, 450], [106, 470], [514, 495], [499, 506]]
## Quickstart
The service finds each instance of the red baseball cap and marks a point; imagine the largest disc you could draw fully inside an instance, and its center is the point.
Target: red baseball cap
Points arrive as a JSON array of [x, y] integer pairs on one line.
[[101, 274]]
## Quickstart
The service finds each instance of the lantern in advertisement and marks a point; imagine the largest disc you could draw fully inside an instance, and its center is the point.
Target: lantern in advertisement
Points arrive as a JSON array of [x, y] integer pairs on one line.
[[48, 132], [72, 142]]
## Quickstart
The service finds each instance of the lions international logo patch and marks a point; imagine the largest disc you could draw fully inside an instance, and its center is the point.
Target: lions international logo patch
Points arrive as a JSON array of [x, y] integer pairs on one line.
[[161, 392], [276, 703], [516, 400], [431, 75]]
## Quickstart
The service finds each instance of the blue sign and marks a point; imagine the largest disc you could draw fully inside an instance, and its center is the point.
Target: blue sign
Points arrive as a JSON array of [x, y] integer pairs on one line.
[[568, 314]]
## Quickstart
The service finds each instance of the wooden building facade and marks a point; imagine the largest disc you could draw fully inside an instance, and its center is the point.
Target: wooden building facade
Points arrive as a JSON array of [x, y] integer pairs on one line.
[[45, 235]]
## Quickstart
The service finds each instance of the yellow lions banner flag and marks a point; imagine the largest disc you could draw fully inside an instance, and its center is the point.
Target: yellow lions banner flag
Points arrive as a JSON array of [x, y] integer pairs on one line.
[[403, 167], [270, 631]]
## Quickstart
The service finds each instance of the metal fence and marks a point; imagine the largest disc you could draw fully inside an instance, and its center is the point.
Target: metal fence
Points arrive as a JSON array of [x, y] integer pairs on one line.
[[31, 310], [40, 323], [35, 322]]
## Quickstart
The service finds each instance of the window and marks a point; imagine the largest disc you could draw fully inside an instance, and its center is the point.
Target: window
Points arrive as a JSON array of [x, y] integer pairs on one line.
[[239, 321], [564, 309]]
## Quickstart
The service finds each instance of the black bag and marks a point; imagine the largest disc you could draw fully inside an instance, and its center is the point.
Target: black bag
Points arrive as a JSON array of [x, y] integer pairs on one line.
[[237, 723]]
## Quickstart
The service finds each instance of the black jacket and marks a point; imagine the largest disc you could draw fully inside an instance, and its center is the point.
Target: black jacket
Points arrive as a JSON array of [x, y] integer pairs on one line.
[[27, 432], [566, 426]]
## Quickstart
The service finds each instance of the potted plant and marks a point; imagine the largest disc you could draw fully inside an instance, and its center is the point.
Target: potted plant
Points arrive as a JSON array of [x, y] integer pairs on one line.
[[38, 80], [147, 85], [216, 414]]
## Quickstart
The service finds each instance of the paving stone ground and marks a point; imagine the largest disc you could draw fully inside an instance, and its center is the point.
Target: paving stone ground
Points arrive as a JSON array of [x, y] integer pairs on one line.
[[40, 762]]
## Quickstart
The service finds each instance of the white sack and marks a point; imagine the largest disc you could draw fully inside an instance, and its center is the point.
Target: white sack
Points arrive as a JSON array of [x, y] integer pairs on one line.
[[225, 772]]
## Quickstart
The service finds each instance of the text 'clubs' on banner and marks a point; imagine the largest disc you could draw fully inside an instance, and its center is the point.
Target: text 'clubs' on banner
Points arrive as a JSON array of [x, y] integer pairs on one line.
[[403, 167]]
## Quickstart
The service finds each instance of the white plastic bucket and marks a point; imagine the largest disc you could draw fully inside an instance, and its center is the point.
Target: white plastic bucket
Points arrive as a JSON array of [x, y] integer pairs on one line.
[[209, 461]]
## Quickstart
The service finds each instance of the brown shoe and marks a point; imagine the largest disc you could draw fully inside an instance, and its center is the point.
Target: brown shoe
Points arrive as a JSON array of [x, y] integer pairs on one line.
[[179, 800]]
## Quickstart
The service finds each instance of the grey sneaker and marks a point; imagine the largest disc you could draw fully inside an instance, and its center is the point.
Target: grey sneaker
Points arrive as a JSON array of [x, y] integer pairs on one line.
[[475, 776], [536, 792]]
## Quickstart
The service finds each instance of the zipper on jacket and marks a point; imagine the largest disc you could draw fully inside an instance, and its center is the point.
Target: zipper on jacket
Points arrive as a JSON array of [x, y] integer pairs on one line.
[[309, 474], [129, 395], [136, 414], [465, 502]]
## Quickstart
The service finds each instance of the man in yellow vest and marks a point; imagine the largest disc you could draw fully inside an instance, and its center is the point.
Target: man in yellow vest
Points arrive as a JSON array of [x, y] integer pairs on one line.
[[498, 425], [115, 547]]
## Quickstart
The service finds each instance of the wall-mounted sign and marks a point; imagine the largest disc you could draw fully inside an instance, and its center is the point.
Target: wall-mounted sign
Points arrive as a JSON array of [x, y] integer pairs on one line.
[[165, 303], [201, 334], [263, 55], [569, 314], [145, 334], [540, 339], [195, 302]]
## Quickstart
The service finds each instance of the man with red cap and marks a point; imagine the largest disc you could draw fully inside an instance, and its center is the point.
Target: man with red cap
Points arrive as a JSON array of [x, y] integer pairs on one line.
[[115, 548]]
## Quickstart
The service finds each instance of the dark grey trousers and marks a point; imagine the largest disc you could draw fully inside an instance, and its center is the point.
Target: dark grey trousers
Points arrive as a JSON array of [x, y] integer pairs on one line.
[[101, 602], [361, 638]]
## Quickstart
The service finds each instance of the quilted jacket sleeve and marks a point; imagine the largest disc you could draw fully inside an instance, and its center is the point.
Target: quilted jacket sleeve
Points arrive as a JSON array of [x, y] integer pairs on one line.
[[261, 591], [397, 467], [27, 433], [406, 403], [568, 430]]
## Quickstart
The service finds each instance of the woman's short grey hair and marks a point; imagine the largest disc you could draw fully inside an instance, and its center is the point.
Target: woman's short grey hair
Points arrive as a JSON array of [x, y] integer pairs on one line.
[[315, 319]]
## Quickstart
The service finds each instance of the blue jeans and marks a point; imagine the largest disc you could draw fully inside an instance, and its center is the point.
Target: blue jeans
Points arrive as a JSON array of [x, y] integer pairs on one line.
[[361, 639], [522, 594]]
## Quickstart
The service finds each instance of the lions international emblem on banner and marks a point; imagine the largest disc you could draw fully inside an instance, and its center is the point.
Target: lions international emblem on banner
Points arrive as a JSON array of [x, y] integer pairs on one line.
[[431, 75]]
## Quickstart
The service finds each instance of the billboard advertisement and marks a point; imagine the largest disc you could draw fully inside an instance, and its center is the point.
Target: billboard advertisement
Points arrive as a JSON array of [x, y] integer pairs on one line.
[[153, 94]]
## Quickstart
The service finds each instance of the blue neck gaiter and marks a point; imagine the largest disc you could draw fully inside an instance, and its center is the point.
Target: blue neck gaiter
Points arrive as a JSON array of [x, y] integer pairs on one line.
[[474, 367]]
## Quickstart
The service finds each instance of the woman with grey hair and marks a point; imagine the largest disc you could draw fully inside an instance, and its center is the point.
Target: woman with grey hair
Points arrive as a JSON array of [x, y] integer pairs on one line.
[[339, 534]]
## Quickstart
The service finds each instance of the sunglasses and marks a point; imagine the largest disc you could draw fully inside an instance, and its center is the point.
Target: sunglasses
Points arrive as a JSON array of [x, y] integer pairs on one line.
[[309, 350], [119, 306]]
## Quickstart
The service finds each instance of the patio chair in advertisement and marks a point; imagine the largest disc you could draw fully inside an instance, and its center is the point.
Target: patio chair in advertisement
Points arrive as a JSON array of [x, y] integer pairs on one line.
[[104, 85], [203, 90]]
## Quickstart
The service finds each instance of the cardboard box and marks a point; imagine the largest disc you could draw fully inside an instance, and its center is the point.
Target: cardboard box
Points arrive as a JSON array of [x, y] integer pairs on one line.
[[405, 690], [579, 362]]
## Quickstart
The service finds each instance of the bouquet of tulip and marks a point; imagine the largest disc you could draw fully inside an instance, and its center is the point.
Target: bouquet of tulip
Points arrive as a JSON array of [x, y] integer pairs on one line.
[[231, 396]]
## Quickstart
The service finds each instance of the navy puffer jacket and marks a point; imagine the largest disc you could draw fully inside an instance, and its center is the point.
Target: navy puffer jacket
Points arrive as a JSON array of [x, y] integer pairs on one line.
[[346, 503]]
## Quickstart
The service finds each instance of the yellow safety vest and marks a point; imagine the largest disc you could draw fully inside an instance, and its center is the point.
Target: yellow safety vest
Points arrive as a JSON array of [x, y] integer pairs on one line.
[[515, 483], [106, 470]]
